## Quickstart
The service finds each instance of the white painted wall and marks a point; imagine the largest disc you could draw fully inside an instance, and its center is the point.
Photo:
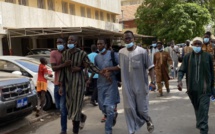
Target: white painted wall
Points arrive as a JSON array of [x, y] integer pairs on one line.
[[113, 6], [16, 16]]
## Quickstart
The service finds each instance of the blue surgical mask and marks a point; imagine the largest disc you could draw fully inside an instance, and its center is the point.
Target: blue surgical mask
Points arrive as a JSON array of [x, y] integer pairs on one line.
[[154, 45], [103, 50], [71, 46], [197, 49], [129, 45], [60, 47], [206, 40]]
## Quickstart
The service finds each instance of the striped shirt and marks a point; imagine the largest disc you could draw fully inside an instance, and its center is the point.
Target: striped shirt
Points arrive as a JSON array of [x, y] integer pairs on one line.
[[74, 81]]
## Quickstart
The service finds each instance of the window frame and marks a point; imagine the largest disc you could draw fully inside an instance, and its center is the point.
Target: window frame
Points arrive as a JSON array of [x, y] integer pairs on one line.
[[51, 5], [89, 13], [64, 7], [97, 15], [83, 11], [20, 2], [72, 9], [108, 17], [101, 14], [11, 1], [41, 4]]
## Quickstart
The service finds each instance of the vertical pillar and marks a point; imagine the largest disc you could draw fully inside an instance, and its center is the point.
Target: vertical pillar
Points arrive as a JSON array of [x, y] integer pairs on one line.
[[34, 42], [82, 41], [1, 45]]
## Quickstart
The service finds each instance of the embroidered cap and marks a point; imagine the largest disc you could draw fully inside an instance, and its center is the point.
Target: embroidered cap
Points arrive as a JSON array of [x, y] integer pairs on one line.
[[198, 39]]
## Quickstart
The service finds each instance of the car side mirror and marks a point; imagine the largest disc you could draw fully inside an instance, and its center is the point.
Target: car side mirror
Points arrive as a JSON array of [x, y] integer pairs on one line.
[[26, 74], [17, 73]]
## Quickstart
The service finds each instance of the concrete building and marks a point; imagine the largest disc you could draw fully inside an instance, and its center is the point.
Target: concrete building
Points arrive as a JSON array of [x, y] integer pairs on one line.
[[28, 16], [131, 2], [127, 17]]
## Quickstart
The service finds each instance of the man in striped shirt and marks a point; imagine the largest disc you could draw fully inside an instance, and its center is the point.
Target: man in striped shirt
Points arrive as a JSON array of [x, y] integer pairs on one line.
[[73, 77]]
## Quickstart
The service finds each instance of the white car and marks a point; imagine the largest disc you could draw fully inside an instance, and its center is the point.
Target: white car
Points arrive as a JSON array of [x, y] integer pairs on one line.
[[27, 67]]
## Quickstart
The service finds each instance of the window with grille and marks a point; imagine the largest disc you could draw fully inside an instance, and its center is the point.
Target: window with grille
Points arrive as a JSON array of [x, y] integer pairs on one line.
[[101, 15], [51, 5], [88, 12], [64, 7], [83, 12], [23, 2], [97, 15], [41, 4], [72, 9], [108, 17], [10, 1]]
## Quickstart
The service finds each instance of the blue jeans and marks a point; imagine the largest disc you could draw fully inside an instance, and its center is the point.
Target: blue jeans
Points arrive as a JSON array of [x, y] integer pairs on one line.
[[60, 102], [110, 113]]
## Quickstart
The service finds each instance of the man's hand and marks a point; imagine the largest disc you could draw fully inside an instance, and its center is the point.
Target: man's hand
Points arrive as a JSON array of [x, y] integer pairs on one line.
[[171, 67], [106, 74], [75, 69], [152, 84], [67, 63], [60, 91], [180, 85]]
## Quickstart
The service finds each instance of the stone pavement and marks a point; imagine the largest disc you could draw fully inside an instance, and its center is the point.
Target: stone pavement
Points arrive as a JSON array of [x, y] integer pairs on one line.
[[171, 114]]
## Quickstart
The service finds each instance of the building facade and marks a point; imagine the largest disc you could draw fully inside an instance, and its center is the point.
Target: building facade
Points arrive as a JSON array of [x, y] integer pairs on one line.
[[131, 2], [54, 13], [127, 17]]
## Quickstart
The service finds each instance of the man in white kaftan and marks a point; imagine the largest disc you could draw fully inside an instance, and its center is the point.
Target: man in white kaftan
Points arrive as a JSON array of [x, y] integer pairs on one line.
[[134, 63]]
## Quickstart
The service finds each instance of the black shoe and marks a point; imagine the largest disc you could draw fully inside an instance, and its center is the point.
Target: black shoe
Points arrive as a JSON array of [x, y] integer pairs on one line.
[[93, 103], [168, 90], [83, 120], [114, 120]]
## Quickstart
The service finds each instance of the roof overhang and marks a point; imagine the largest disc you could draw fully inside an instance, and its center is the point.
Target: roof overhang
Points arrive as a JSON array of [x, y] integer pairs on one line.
[[80, 31]]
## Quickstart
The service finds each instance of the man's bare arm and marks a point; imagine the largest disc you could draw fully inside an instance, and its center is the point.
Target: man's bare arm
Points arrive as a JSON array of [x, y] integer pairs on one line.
[[152, 74]]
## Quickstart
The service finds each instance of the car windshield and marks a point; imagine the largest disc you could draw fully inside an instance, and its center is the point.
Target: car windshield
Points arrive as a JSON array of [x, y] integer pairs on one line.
[[40, 51], [29, 64]]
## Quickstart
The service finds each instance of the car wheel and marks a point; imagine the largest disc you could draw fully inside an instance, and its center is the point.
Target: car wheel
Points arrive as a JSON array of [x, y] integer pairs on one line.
[[48, 102]]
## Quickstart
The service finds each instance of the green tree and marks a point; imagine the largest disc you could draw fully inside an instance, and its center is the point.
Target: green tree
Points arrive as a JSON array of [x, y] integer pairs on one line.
[[174, 19], [184, 21]]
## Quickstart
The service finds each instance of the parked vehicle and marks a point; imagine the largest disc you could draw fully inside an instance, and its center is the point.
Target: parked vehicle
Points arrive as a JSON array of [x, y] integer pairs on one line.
[[18, 97], [38, 56], [40, 51], [28, 67]]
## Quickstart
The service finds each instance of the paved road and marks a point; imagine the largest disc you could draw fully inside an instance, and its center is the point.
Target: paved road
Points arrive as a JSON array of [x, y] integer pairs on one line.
[[172, 114]]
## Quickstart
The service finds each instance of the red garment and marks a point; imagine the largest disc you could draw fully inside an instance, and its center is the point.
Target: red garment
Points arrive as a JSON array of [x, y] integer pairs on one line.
[[55, 58], [41, 72]]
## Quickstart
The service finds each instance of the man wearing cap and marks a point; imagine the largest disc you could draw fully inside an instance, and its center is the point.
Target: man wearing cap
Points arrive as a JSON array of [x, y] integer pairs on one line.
[[162, 60], [198, 67]]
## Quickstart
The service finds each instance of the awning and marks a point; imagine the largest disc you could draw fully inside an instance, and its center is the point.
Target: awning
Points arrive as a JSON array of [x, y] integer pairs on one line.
[[81, 31]]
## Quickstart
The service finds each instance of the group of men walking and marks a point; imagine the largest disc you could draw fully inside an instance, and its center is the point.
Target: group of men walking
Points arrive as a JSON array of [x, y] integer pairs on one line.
[[70, 64], [70, 84], [198, 66]]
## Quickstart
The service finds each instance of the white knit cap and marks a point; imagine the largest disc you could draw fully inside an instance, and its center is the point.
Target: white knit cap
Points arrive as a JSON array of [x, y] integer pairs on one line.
[[198, 39]]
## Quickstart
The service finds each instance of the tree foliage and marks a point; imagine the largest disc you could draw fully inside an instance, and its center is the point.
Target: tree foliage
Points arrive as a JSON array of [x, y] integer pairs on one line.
[[172, 19]]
